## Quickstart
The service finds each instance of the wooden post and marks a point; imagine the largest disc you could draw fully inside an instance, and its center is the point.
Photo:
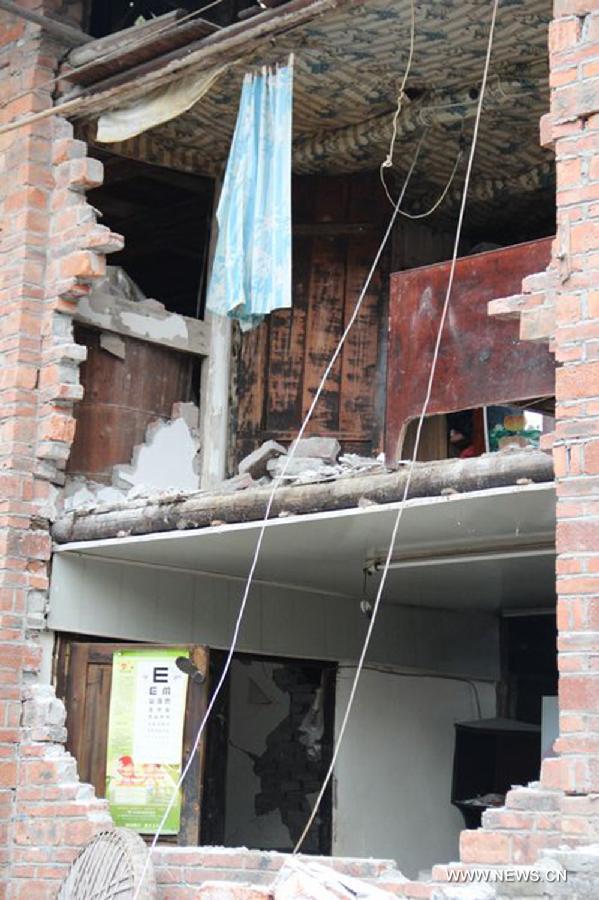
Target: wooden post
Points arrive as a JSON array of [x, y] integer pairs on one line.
[[214, 401]]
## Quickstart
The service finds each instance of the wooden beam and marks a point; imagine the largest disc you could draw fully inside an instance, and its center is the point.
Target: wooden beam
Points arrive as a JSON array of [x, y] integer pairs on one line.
[[216, 371], [200, 510], [119, 40], [66, 33], [331, 229], [119, 168], [229, 45]]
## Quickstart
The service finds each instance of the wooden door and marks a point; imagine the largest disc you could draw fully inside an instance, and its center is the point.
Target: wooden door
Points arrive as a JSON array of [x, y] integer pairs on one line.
[[84, 682]]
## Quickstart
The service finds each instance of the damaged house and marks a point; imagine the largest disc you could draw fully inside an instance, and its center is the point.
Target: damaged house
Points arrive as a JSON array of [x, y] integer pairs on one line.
[[299, 446]]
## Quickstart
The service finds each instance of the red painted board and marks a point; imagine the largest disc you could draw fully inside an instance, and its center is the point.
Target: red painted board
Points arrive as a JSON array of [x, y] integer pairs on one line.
[[482, 361]]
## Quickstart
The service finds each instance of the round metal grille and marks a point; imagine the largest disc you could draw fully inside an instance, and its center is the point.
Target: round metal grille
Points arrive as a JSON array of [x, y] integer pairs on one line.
[[110, 866]]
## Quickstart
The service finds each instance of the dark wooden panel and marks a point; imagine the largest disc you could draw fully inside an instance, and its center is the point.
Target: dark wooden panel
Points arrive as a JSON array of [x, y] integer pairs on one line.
[[481, 361], [121, 398], [336, 233], [359, 358], [197, 702], [286, 356], [251, 389]]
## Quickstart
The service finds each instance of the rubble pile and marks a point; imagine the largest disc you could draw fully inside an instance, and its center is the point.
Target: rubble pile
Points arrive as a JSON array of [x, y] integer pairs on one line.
[[307, 461]]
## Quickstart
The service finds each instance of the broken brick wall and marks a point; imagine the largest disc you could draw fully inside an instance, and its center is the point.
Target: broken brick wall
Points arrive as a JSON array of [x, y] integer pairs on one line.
[[50, 249], [561, 306]]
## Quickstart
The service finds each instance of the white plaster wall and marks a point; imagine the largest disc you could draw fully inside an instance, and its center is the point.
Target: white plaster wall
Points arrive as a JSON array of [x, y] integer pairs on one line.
[[124, 602], [393, 773]]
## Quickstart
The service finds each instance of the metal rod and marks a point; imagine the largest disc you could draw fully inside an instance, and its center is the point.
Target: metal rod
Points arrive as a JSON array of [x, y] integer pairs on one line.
[[72, 36]]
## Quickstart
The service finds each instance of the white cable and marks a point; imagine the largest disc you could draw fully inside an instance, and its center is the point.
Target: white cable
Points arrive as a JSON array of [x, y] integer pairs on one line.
[[277, 481], [412, 461]]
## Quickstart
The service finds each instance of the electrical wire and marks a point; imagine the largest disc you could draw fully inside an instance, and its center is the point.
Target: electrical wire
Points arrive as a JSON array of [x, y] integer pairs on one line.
[[112, 54], [389, 670], [276, 483], [442, 196], [412, 462]]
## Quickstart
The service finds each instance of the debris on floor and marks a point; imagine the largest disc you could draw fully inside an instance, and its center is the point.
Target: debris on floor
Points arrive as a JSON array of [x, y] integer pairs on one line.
[[312, 459], [302, 880]]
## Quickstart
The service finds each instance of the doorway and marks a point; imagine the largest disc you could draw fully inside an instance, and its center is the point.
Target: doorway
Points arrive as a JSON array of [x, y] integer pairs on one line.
[[269, 745], [264, 755]]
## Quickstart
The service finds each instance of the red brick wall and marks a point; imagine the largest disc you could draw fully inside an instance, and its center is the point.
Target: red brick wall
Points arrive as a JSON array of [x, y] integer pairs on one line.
[[50, 248], [573, 128], [561, 306]]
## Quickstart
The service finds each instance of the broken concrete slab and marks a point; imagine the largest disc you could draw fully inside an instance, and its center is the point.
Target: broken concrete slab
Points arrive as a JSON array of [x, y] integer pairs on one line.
[[324, 448], [116, 304], [239, 482], [82, 494], [356, 463], [256, 463], [296, 466]]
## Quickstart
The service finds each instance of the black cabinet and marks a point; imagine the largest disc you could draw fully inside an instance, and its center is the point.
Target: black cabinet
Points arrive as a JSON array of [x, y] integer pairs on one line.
[[490, 756]]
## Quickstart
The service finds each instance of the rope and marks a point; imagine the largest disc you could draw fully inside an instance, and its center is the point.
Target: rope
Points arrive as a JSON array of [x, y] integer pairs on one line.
[[412, 461], [442, 196], [388, 161]]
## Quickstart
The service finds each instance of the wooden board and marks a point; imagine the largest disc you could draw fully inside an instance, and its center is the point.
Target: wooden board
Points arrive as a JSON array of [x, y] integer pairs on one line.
[[122, 397], [337, 230], [85, 683], [482, 361]]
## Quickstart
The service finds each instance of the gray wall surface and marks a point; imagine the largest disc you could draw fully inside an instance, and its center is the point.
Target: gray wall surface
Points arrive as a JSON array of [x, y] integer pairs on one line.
[[136, 603], [394, 768]]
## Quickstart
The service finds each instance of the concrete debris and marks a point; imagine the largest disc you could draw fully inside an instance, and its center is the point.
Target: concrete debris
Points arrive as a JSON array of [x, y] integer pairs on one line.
[[366, 503], [304, 469], [256, 463], [237, 483], [294, 467], [324, 448], [117, 283], [167, 464], [112, 343], [362, 463], [312, 881], [82, 494]]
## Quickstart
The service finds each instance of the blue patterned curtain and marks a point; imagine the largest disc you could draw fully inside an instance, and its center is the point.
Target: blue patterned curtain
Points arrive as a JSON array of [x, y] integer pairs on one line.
[[251, 270]]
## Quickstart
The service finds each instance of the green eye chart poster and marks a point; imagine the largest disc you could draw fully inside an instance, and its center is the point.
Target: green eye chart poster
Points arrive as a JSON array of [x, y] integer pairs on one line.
[[145, 738]]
